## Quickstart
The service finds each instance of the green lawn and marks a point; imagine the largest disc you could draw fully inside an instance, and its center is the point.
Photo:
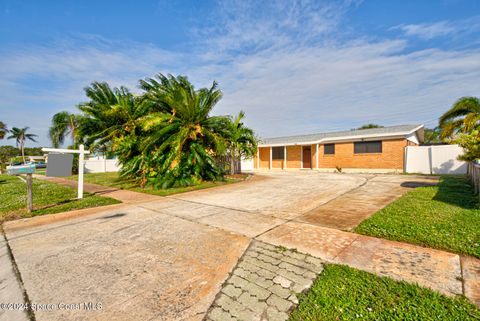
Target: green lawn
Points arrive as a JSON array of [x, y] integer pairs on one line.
[[446, 217], [48, 198], [112, 179], [343, 293]]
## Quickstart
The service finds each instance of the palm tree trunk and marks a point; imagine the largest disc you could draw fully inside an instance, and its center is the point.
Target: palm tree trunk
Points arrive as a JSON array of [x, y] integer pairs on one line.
[[74, 135], [23, 152], [232, 162]]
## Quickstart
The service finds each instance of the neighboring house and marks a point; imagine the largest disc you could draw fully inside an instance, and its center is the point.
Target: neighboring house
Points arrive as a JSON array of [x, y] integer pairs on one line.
[[36, 158], [366, 150]]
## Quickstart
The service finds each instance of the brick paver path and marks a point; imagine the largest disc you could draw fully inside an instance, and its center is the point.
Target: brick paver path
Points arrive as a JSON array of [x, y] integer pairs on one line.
[[265, 284]]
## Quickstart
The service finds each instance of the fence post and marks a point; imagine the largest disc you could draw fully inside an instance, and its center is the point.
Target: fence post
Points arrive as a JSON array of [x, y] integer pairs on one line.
[[474, 176], [477, 178]]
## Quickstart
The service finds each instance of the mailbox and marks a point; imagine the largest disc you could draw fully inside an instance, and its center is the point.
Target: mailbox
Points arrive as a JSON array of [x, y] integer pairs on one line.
[[21, 169]]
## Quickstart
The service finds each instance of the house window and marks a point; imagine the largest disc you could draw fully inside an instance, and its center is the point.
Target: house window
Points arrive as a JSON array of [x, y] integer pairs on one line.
[[278, 153], [367, 147], [329, 149]]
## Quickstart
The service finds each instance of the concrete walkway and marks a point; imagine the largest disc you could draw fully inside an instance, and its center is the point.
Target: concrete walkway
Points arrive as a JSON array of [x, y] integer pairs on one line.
[[431, 268], [167, 258], [11, 290], [137, 264]]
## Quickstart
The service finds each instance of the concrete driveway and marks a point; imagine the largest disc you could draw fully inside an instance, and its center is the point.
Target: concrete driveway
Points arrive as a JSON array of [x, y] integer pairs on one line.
[[279, 194], [166, 259]]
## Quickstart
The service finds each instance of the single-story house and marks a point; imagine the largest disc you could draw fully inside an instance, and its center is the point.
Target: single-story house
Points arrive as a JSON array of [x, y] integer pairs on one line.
[[363, 150], [34, 159]]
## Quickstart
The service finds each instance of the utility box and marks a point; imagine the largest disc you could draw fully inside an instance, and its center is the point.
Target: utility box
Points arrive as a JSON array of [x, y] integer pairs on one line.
[[21, 169]]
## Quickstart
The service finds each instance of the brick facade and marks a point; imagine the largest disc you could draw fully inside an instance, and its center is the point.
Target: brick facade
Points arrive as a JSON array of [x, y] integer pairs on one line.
[[294, 157], [277, 163], [264, 153], [392, 157]]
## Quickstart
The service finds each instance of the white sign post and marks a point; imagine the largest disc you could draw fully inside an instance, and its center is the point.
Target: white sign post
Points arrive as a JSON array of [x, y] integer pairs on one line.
[[81, 163]]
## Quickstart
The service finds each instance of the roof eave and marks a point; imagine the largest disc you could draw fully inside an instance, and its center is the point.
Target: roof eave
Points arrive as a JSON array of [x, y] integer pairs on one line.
[[346, 138]]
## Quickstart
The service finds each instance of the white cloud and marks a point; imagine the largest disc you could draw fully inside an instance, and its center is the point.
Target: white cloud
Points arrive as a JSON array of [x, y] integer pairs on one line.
[[317, 89], [428, 31], [250, 26], [287, 65]]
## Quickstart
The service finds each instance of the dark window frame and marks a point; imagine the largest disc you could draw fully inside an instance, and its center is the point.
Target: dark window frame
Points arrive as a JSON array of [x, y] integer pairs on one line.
[[368, 147], [278, 153], [331, 149]]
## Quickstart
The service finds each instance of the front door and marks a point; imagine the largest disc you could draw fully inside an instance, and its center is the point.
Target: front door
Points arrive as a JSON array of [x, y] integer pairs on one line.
[[307, 157]]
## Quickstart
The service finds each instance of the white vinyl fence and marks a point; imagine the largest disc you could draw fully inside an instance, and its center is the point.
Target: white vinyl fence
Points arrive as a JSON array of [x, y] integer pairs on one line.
[[246, 165], [101, 165], [437, 159]]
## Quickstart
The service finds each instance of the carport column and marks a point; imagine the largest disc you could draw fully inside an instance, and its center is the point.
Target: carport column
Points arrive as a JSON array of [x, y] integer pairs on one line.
[[301, 157], [316, 155], [270, 164], [258, 158], [284, 157]]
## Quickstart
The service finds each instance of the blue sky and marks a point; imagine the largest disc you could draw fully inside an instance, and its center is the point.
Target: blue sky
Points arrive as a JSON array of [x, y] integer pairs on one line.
[[293, 66]]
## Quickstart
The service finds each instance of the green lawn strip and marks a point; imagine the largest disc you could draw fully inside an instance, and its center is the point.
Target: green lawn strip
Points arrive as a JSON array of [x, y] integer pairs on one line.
[[40, 171], [446, 217], [48, 198], [343, 293], [113, 180]]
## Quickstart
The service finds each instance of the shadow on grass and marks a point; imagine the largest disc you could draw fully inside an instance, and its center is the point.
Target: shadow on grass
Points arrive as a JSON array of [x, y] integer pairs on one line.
[[56, 204], [456, 190], [414, 184]]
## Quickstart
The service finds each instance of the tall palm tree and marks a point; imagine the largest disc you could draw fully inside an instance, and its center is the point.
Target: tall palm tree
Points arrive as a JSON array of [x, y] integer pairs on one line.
[[21, 135], [462, 117], [182, 135], [3, 130], [64, 124], [241, 140], [432, 136]]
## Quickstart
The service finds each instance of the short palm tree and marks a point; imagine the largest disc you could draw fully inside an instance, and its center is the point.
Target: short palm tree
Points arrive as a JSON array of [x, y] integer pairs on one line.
[[462, 117], [110, 119], [64, 124], [21, 135], [241, 140], [110, 114], [182, 137], [3, 130]]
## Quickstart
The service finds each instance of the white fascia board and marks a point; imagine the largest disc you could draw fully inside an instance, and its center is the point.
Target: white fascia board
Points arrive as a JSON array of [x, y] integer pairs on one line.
[[288, 144], [413, 138]]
